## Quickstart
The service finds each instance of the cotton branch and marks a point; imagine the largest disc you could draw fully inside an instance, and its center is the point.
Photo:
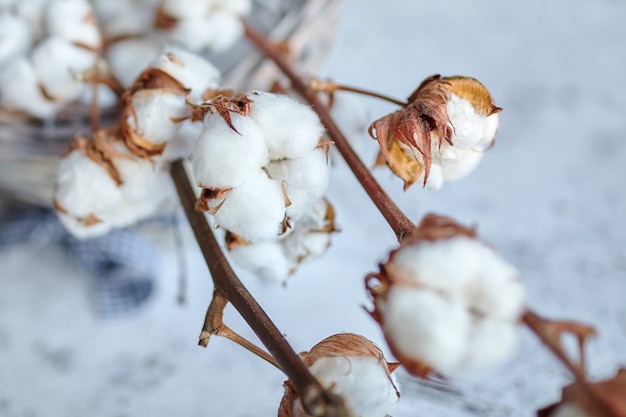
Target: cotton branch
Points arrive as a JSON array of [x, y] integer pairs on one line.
[[316, 400]]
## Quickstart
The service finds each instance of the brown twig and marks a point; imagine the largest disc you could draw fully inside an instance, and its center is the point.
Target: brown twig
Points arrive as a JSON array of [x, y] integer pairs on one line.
[[316, 400], [397, 220], [321, 86]]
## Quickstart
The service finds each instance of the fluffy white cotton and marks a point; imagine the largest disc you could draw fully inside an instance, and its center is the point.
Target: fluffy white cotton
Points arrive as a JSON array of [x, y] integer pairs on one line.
[[124, 19], [493, 123], [56, 63], [129, 57], [224, 158], [15, 37], [469, 126], [186, 9], [192, 71], [266, 260], [156, 114], [73, 21], [446, 264], [291, 129], [32, 13], [427, 326], [238, 7], [360, 380], [254, 210], [306, 179], [491, 342], [183, 144], [435, 178], [303, 245], [227, 29], [195, 34], [20, 90], [497, 291], [459, 163]]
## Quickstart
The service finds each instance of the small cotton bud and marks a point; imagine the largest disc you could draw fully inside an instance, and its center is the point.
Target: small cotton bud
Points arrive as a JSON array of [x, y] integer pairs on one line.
[[291, 129], [254, 210], [353, 367], [56, 63], [73, 21], [129, 57], [21, 90], [224, 158], [15, 37]]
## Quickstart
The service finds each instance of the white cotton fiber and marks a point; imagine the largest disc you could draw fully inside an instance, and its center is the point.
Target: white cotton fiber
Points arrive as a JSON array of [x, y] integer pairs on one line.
[[306, 179], [469, 126], [192, 71], [445, 264], [186, 9], [56, 63], [129, 57], [224, 158], [237, 7], [15, 38], [291, 129], [254, 210], [426, 326], [155, 114], [491, 342], [264, 259], [460, 163], [73, 21], [361, 380], [20, 90], [227, 29], [183, 144], [195, 34]]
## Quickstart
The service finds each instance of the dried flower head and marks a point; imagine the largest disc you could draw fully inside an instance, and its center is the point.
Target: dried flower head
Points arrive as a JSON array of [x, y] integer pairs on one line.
[[444, 115], [446, 301], [352, 366]]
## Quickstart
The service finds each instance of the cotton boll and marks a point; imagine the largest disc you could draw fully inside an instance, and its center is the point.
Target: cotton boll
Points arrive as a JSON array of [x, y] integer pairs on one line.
[[56, 63], [291, 129], [426, 326], [254, 210], [224, 158], [300, 246], [196, 34], [20, 90], [32, 12], [497, 292], [266, 260], [493, 123], [73, 21], [491, 342], [78, 229], [469, 126], [445, 264], [129, 57], [360, 380], [192, 71], [435, 177], [460, 163], [126, 19], [305, 178], [154, 114], [227, 29], [15, 37]]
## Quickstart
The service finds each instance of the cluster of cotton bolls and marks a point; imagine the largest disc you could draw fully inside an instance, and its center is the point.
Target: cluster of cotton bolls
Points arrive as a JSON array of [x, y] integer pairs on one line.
[[138, 30], [44, 46], [351, 366], [446, 301], [121, 175], [263, 168], [462, 121], [101, 185]]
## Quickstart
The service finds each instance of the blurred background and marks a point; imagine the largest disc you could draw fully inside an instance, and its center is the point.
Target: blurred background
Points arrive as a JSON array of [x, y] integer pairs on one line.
[[550, 197]]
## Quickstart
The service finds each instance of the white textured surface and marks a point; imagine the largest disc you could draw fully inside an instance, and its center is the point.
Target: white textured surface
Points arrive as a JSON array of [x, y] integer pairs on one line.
[[549, 196]]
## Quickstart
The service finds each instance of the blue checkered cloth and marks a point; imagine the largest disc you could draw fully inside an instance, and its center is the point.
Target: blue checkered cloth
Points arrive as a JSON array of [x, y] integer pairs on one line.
[[121, 265]]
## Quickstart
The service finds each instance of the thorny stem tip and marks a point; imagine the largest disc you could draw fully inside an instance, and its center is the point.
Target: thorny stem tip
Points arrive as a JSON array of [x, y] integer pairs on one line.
[[397, 220], [230, 288]]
